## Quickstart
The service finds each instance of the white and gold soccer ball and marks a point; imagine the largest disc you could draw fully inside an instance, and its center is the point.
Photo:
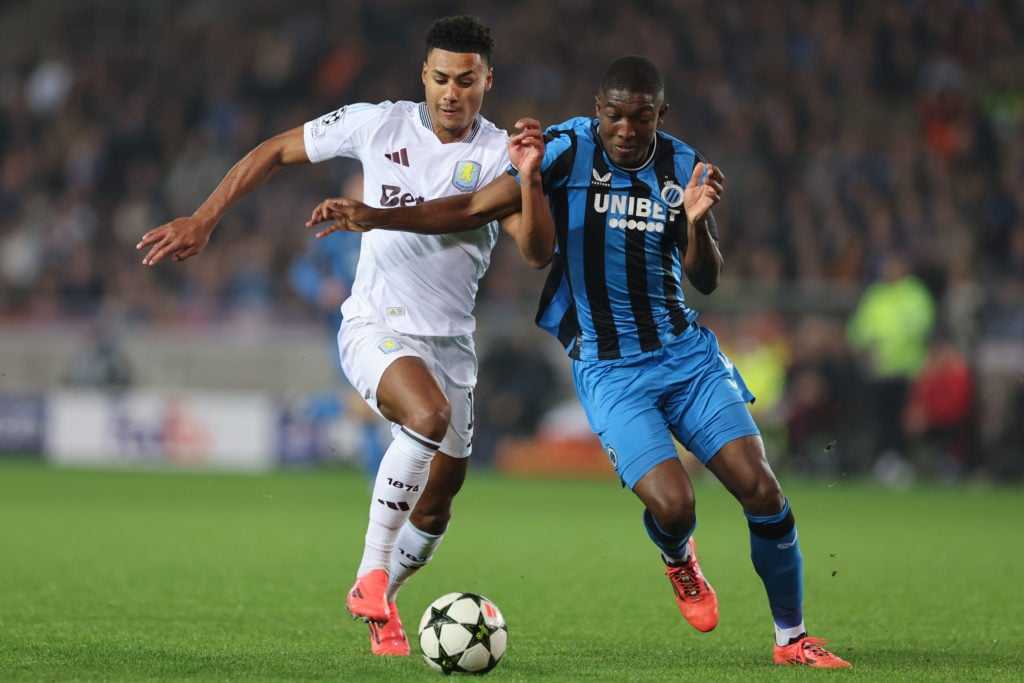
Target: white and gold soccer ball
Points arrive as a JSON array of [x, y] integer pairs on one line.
[[462, 633]]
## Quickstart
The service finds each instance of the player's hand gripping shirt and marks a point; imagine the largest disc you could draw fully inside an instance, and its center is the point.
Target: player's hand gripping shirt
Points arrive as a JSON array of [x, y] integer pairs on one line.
[[417, 284], [614, 288]]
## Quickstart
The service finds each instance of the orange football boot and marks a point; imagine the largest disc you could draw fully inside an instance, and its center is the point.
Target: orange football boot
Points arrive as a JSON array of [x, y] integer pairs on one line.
[[367, 599], [389, 638], [694, 595], [809, 652]]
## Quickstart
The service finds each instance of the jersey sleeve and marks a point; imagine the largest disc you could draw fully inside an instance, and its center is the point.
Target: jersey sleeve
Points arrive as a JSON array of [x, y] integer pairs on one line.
[[340, 133], [559, 155]]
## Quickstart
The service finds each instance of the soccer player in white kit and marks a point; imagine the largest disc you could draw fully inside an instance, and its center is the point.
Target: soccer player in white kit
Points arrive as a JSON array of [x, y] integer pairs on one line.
[[406, 340]]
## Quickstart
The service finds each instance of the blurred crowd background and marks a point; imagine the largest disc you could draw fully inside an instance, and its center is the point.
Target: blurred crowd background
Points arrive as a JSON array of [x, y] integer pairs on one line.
[[872, 227]]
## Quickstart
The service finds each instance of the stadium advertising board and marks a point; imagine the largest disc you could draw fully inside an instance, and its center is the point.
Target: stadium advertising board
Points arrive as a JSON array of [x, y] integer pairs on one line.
[[22, 424], [187, 429]]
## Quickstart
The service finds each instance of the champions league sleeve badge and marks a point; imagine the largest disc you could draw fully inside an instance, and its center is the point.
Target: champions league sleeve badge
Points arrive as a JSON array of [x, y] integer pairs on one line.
[[466, 176]]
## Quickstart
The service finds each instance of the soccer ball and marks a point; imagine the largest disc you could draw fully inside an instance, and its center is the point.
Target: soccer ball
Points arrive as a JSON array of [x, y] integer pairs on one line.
[[462, 633]]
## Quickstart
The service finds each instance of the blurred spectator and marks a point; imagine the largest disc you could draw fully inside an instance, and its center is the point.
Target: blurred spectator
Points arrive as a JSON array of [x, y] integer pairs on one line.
[[889, 329], [939, 416], [102, 364], [1007, 461], [517, 386], [823, 397], [758, 344], [324, 273]]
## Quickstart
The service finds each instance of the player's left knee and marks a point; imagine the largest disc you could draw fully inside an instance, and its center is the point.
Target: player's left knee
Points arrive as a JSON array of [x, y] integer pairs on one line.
[[764, 498], [432, 519]]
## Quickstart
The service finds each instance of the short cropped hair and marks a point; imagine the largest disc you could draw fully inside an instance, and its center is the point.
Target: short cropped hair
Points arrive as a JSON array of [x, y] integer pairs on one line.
[[633, 74], [463, 33]]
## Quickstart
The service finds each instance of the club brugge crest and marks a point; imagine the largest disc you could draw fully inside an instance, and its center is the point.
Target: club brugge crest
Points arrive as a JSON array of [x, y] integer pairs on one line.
[[613, 457], [672, 194], [467, 175]]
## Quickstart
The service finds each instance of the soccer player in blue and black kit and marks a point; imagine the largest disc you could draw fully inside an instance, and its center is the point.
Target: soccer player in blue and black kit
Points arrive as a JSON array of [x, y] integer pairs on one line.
[[631, 212]]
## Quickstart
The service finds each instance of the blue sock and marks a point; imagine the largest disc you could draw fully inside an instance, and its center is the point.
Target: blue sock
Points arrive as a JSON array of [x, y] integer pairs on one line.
[[672, 547], [775, 552]]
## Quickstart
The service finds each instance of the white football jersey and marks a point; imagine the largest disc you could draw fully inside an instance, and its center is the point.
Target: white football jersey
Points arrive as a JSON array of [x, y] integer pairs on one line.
[[417, 284]]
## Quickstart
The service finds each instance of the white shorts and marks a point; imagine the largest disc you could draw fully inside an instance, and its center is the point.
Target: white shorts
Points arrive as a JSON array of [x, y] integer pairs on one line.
[[367, 348]]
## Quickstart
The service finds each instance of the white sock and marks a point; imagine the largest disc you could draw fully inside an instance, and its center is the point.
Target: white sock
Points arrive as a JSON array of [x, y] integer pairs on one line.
[[784, 635], [413, 549], [677, 560], [400, 480]]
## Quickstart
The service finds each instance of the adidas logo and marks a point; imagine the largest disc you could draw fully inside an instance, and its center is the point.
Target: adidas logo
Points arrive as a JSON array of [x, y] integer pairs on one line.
[[601, 179], [399, 157]]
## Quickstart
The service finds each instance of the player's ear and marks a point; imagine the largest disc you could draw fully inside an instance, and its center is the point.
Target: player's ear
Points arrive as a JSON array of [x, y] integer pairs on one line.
[[661, 114], [597, 106], [490, 79], [423, 74]]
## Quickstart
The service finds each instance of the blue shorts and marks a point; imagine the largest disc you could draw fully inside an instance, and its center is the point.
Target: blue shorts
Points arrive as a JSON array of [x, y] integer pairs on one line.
[[687, 389]]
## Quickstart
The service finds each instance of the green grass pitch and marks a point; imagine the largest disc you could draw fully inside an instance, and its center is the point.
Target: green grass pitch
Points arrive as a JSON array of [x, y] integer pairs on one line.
[[136, 576]]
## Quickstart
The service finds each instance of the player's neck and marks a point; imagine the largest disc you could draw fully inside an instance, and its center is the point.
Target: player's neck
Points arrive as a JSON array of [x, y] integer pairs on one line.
[[647, 159], [448, 136]]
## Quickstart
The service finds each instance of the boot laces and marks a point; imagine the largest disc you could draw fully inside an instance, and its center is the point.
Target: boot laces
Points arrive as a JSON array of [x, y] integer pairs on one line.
[[687, 579], [814, 647]]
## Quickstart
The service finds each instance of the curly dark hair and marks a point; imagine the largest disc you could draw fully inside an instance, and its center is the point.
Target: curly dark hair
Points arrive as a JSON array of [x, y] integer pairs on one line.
[[635, 74], [463, 33]]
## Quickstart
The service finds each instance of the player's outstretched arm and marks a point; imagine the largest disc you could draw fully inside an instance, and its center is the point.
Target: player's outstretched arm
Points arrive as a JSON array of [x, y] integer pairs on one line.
[[501, 199], [532, 227], [185, 237], [702, 260], [457, 213]]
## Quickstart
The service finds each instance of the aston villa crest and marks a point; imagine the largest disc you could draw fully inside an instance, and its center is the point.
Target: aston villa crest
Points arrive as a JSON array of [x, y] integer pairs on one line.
[[467, 175]]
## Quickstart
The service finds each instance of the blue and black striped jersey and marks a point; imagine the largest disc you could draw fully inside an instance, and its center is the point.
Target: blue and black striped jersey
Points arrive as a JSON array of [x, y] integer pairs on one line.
[[615, 287]]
